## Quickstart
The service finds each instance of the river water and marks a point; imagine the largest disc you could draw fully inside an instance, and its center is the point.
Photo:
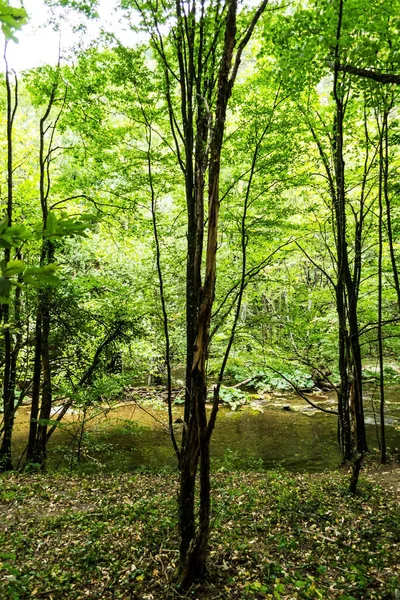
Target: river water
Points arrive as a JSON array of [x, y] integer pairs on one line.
[[263, 435]]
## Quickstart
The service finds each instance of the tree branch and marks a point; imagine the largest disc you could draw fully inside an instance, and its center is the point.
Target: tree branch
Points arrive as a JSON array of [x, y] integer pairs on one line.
[[383, 78]]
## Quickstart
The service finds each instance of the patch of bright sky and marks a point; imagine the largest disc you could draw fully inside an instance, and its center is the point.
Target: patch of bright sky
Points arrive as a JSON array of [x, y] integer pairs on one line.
[[38, 43]]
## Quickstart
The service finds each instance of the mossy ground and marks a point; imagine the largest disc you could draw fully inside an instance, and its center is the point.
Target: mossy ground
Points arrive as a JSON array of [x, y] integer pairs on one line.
[[275, 535]]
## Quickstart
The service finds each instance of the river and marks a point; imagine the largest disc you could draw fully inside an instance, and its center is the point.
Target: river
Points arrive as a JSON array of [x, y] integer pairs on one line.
[[263, 435]]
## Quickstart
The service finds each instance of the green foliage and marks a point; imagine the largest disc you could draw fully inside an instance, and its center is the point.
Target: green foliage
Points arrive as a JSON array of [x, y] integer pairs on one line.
[[13, 237], [275, 535], [266, 381], [11, 19], [34, 276], [232, 397], [32, 467], [392, 375], [62, 225], [234, 460], [86, 7]]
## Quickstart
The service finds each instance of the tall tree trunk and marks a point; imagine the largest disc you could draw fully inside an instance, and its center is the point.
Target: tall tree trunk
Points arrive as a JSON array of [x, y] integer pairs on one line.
[[37, 440], [345, 437], [345, 279], [344, 422], [380, 253], [9, 364], [10, 406], [193, 562], [40, 452], [36, 384], [196, 43]]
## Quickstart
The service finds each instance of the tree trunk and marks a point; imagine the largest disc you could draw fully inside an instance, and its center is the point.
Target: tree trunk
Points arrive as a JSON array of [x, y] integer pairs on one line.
[[45, 408], [379, 332], [9, 365], [344, 421], [194, 551], [345, 280], [36, 384], [196, 46], [36, 451]]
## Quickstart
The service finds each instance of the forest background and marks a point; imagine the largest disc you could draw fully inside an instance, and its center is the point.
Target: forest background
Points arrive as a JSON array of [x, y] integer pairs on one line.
[[270, 131]]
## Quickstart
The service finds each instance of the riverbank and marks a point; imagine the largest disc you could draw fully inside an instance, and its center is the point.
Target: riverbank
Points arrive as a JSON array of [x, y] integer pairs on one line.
[[275, 535], [273, 430]]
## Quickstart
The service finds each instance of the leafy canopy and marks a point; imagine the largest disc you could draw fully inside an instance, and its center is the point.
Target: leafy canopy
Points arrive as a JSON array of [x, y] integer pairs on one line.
[[11, 19]]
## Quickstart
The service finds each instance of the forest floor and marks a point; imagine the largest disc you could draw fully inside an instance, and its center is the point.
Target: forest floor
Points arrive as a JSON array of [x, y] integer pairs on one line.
[[275, 535]]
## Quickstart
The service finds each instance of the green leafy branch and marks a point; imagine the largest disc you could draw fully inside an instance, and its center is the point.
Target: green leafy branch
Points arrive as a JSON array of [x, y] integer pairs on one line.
[[11, 19]]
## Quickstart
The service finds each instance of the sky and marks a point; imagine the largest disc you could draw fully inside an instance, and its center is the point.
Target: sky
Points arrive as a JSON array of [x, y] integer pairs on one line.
[[38, 44]]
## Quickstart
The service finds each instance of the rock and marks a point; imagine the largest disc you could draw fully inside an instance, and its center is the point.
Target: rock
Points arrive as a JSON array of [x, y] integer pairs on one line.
[[257, 405], [286, 407]]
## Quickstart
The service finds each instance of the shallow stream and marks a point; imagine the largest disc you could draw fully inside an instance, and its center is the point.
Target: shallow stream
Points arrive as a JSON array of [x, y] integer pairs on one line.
[[274, 430]]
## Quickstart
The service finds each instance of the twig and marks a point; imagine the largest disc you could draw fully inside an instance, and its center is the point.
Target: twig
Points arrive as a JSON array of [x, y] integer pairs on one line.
[[300, 393]]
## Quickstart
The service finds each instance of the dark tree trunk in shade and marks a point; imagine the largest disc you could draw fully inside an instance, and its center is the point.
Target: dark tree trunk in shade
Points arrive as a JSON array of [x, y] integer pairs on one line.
[[10, 346], [41, 387], [347, 283]]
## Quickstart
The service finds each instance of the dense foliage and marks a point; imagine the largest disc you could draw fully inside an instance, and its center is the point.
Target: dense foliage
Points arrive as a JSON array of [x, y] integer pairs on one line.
[[275, 536], [212, 207]]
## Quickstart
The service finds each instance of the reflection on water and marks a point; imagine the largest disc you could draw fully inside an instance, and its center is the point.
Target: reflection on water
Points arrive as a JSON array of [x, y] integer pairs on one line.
[[127, 438]]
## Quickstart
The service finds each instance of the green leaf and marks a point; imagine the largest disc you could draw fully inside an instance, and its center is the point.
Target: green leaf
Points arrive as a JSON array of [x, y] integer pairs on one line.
[[19, 232], [39, 278], [14, 267], [30, 280], [3, 225], [7, 556], [5, 242], [5, 288], [51, 224], [49, 279], [49, 269], [11, 19]]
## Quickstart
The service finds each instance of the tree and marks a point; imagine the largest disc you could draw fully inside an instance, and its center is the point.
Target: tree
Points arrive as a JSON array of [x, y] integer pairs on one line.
[[198, 57], [11, 20], [11, 347]]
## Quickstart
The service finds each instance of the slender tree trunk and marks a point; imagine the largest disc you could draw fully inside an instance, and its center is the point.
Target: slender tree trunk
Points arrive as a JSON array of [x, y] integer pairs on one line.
[[345, 437], [193, 563], [10, 406], [9, 365], [46, 403], [8, 397], [196, 46], [36, 384], [336, 188], [345, 279], [36, 451], [379, 331]]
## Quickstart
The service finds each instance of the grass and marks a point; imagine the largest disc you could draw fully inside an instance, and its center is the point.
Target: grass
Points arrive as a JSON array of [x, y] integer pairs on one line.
[[275, 535]]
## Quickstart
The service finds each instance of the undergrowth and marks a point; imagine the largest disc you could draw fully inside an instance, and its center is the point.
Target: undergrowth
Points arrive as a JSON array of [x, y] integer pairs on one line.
[[275, 535]]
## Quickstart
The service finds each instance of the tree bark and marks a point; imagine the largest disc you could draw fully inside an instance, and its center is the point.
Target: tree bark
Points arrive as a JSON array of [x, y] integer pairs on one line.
[[384, 78], [380, 256], [196, 44], [37, 440], [9, 375], [347, 284]]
